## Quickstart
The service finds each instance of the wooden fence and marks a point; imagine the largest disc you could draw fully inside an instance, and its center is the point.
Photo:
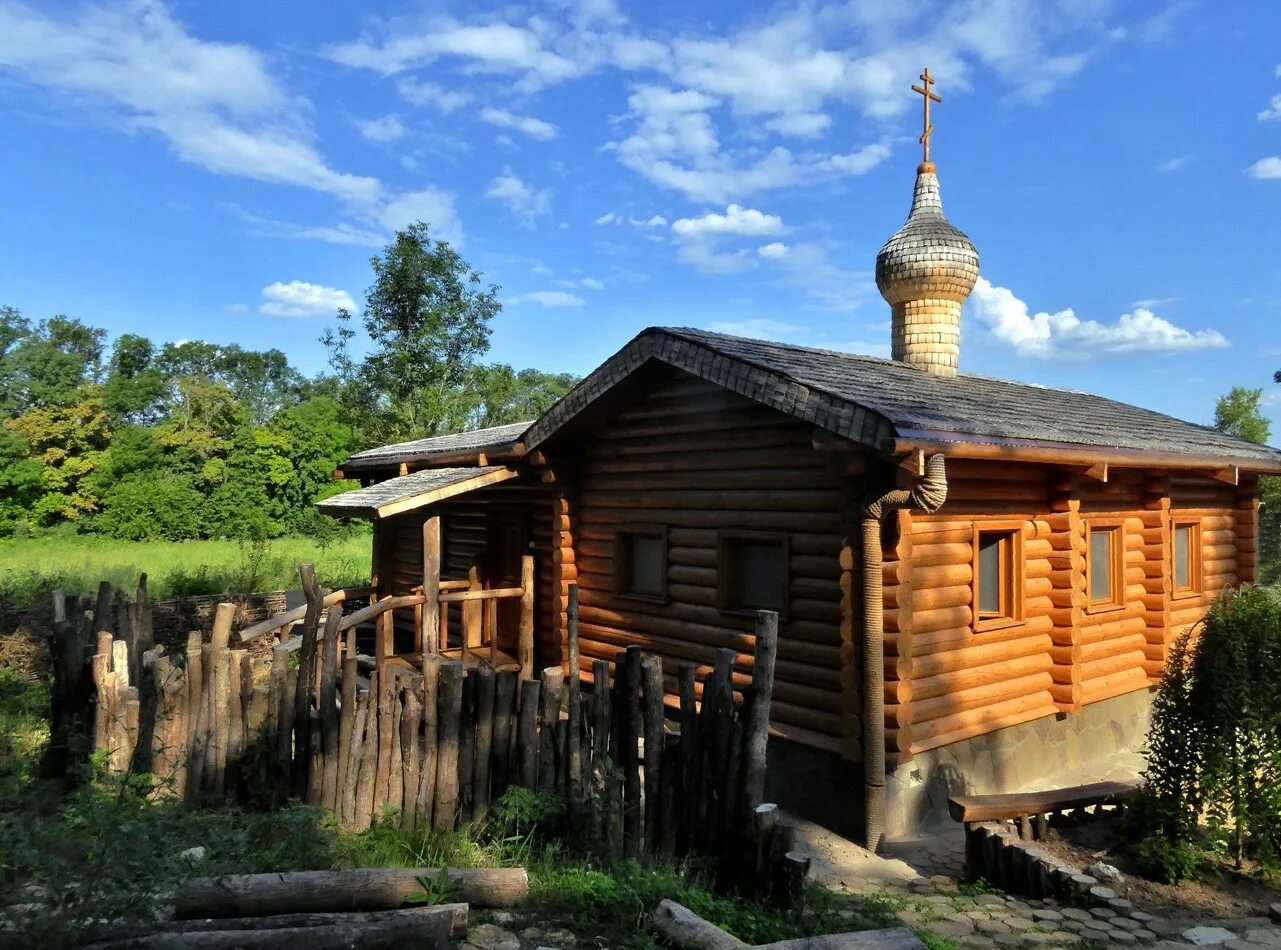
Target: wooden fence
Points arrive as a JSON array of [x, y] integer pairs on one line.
[[442, 743]]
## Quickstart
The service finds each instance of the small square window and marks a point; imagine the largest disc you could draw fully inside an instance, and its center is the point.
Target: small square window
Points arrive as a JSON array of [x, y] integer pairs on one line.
[[640, 562], [1186, 556], [753, 571], [1104, 570], [998, 576]]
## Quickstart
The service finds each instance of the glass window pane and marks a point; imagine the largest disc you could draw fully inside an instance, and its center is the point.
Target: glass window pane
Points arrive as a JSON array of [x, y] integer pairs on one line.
[[1182, 557], [645, 561], [1100, 567], [990, 579], [758, 574]]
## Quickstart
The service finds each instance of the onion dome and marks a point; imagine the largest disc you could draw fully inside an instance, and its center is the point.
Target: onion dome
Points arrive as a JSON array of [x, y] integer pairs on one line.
[[928, 258]]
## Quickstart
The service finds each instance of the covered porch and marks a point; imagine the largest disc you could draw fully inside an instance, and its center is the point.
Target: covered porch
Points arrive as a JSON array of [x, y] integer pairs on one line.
[[438, 586]]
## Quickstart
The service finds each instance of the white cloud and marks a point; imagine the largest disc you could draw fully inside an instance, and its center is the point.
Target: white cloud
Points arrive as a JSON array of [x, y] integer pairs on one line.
[[549, 298], [1273, 111], [1065, 335], [523, 202], [527, 125], [1266, 168], [429, 205], [490, 47], [431, 95], [1151, 303], [654, 221], [383, 130], [215, 104], [773, 250], [301, 299], [608, 218], [341, 233], [1174, 164], [736, 220], [804, 125], [591, 283], [237, 308]]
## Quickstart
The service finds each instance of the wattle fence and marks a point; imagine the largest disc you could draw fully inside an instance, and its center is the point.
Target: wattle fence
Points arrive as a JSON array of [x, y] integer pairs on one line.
[[434, 746]]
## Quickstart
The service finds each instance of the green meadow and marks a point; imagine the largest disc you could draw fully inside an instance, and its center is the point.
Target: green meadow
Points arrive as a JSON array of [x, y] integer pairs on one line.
[[31, 569]]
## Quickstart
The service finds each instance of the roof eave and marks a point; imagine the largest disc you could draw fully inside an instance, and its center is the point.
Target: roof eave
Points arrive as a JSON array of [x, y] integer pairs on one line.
[[498, 451], [964, 445]]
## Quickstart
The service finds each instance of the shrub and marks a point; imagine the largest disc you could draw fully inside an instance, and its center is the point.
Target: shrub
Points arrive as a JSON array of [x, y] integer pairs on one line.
[[1214, 748]]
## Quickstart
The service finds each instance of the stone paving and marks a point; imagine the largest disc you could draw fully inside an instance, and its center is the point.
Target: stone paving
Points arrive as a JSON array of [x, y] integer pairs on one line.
[[924, 878]]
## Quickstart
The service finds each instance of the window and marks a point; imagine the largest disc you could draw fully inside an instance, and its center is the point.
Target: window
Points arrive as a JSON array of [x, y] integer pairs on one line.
[[640, 561], [1104, 569], [753, 571], [1185, 551], [998, 575]]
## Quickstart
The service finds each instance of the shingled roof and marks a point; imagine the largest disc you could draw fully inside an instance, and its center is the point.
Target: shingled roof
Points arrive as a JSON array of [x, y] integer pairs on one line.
[[874, 401], [412, 491], [475, 441]]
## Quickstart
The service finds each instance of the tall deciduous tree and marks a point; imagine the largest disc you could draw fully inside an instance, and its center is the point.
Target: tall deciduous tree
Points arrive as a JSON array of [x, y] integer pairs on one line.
[[427, 315], [1239, 413]]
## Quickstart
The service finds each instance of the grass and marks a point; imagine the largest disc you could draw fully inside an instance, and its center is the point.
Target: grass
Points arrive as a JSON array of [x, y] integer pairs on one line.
[[31, 569]]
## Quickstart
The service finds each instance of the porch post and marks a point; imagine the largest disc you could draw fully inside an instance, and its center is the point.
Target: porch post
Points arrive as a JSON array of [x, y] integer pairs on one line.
[[430, 634]]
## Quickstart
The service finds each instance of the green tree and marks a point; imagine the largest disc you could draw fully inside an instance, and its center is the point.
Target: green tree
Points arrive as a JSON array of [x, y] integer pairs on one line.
[[427, 315], [20, 485], [151, 506], [135, 386], [1239, 414], [68, 441], [499, 395], [46, 365]]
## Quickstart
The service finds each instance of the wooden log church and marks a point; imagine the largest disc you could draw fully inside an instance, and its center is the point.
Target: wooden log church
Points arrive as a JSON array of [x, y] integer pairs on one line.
[[978, 581]]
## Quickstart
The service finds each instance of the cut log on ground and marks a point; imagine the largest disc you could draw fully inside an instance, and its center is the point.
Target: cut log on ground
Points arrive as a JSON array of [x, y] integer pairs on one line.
[[115, 934], [248, 895], [424, 931], [683, 928]]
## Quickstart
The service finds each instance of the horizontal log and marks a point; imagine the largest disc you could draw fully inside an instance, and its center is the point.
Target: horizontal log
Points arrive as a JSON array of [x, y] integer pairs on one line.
[[969, 658], [496, 593], [457, 914], [252, 895], [272, 624], [924, 710], [964, 675], [988, 718]]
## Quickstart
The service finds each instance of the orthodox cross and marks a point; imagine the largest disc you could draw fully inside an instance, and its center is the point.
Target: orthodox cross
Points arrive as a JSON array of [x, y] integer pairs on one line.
[[924, 89]]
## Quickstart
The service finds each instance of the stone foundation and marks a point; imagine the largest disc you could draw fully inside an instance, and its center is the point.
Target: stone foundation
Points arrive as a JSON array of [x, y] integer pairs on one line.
[[1047, 753]]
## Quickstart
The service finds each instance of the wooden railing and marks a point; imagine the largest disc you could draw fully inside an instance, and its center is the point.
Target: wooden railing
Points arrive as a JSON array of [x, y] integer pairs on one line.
[[430, 602]]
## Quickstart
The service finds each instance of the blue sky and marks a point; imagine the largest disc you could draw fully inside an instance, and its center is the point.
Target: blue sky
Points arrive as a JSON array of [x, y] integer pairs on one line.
[[224, 171]]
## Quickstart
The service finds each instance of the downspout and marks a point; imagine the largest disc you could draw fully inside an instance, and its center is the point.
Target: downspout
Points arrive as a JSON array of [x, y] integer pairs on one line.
[[928, 496]]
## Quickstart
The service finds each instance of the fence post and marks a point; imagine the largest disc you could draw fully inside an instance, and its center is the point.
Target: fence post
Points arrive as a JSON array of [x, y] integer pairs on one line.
[[756, 740]]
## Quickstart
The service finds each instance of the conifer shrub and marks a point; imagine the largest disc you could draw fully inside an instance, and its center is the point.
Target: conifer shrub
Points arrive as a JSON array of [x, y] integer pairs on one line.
[[1214, 745]]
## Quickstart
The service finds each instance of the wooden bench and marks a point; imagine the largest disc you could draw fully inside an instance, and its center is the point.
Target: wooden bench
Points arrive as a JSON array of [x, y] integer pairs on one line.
[[1031, 809]]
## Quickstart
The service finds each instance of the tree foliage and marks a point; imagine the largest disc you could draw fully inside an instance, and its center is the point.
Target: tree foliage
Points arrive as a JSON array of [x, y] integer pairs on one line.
[[1239, 413], [205, 440], [1214, 747]]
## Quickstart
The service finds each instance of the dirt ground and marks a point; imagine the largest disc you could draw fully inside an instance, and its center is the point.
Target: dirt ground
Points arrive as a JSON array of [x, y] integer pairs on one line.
[[1218, 892]]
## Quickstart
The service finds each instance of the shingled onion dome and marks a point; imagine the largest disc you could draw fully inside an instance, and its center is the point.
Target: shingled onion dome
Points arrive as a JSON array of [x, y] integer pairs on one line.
[[925, 272]]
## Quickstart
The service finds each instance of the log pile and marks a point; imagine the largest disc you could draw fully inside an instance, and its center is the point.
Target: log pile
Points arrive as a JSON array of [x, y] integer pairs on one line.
[[318, 910]]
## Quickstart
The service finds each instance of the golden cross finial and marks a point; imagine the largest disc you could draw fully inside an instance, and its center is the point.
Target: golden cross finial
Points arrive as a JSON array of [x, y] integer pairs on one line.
[[927, 96]]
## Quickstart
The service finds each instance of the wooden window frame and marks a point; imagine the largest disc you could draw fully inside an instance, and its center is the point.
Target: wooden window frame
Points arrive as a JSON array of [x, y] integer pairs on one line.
[[622, 561], [1117, 600], [1015, 571], [1195, 557], [724, 569]]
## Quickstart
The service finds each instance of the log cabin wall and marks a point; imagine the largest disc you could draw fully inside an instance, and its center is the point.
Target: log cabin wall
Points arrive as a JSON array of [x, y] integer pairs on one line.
[[951, 681], [700, 460], [948, 681], [399, 555]]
